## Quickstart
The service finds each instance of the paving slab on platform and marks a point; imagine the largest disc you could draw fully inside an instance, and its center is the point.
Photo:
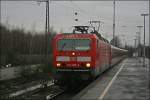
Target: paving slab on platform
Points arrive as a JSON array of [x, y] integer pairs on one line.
[[129, 80]]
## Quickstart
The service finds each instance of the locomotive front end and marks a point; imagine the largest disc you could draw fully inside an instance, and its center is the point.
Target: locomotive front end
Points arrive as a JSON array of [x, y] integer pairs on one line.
[[73, 56]]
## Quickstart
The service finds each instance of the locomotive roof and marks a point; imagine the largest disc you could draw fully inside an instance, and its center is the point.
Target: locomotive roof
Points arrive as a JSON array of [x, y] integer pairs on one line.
[[71, 35], [79, 35]]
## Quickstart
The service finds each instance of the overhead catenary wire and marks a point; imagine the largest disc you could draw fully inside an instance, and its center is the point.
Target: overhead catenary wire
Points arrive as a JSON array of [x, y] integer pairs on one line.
[[80, 9], [86, 13], [75, 8]]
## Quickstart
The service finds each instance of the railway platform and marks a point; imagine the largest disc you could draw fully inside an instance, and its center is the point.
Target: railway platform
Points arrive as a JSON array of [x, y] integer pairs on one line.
[[128, 80]]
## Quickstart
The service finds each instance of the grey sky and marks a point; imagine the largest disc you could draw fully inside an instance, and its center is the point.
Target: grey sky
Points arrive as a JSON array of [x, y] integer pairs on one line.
[[31, 16]]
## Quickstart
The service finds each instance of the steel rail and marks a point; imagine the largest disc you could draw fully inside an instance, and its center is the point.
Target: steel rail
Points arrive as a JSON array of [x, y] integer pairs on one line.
[[52, 96], [32, 88]]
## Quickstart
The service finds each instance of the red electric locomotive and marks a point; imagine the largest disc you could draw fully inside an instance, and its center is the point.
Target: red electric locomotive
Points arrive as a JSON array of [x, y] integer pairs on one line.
[[80, 56]]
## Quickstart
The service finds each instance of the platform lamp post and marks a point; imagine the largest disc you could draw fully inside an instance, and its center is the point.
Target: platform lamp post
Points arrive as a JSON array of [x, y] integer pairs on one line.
[[144, 40]]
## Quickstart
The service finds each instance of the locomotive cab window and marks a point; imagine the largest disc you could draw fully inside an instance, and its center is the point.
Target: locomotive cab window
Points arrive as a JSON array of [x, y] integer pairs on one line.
[[73, 44]]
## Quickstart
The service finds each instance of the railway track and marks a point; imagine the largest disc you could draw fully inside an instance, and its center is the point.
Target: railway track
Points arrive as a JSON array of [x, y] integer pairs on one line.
[[51, 96], [23, 89], [43, 91], [72, 91], [19, 90], [32, 88], [50, 92]]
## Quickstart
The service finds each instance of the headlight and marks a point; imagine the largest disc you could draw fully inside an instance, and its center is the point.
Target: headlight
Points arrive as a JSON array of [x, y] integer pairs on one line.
[[58, 64], [88, 65], [73, 53]]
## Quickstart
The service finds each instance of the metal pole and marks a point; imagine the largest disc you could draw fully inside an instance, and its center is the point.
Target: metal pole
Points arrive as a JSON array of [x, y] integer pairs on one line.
[[124, 41], [135, 44], [144, 40], [47, 30], [140, 27], [144, 44], [139, 34], [149, 38], [114, 22], [138, 37], [48, 15], [46, 36], [138, 46], [135, 47], [46, 19]]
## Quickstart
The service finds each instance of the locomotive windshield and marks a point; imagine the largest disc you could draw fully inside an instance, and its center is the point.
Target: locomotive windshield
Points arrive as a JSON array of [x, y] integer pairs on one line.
[[73, 44]]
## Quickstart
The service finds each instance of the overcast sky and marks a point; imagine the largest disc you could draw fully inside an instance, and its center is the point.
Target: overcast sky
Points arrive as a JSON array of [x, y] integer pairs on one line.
[[31, 16]]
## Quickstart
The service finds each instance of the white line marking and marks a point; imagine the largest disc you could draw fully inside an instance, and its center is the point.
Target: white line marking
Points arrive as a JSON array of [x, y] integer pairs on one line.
[[110, 83]]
